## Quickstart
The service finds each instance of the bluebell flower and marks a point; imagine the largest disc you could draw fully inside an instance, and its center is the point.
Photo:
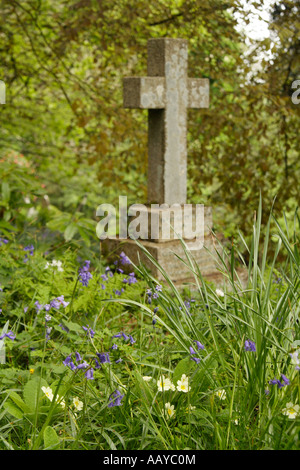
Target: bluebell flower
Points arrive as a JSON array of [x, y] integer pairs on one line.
[[89, 375], [104, 357], [199, 345], [196, 359], [114, 346], [124, 259], [48, 332], [38, 306], [250, 345], [97, 366], [3, 241], [115, 399], [132, 279], [276, 382], [285, 380], [132, 340], [78, 357], [84, 274], [29, 248], [192, 351], [89, 331], [62, 301], [9, 335], [83, 365], [119, 360]]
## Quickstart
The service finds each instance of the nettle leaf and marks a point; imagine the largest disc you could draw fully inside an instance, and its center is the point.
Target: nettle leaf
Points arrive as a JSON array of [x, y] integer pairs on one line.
[[51, 439], [33, 392]]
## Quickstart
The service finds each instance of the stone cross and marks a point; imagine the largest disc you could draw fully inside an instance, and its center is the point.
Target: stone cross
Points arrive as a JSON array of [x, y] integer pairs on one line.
[[167, 92]]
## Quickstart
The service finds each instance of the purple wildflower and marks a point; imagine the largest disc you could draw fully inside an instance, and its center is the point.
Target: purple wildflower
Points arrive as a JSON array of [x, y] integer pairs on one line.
[[83, 365], [124, 259], [89, 375], [48, 332], [250, 345], [78, 357], [158, 287], [132, 279], [285, 379], [196, 359], [89, 331], [3, 241], [192, 350], [29, 248], [119, 360], [38, 306], [84, 274], [276, 382], [67, 361], [104, 357], [115, 399], [62, 301], [97, 366], [132, 340], [199, 345], [9, 335]]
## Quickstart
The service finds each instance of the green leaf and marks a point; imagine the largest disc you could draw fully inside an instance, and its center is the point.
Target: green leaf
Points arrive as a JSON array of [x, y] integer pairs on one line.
[[51, 439], [185, 366], [13, 409], [5, 191], [33, 392], [19, 402], [70, 232]]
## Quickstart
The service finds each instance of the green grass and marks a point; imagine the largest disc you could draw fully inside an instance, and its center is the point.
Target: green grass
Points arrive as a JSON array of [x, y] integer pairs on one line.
[[265, 311]]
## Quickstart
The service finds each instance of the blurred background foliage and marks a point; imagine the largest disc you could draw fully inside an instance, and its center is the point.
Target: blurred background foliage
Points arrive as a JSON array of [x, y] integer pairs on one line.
[[67, 145]]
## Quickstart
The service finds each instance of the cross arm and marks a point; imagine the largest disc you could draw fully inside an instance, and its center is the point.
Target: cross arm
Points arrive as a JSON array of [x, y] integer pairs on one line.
[[144, 92]]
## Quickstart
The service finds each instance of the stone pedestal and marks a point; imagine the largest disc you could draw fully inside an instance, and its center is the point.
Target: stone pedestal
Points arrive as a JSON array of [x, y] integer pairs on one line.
[[163, 251]]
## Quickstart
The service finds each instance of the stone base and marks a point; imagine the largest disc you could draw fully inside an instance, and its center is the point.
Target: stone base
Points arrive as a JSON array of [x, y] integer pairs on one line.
[[163, 253]]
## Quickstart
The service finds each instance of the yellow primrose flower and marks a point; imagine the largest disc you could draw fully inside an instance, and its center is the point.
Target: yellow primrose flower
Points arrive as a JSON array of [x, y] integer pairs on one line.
[[183, 384], [48, 392], [165, 384], [77, 404], [170, 410], [147, 378], [221, 394], [292, 411]]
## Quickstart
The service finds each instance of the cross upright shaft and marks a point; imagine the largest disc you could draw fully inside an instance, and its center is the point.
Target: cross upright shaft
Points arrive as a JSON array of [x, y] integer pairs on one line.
[[167, 92]]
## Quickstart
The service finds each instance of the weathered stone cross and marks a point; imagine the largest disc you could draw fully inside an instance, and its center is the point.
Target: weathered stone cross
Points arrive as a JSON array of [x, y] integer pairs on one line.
[[167, 92]]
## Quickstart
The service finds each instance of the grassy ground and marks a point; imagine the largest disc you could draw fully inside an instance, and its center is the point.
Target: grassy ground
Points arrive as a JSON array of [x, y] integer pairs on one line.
[[104, 357]]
